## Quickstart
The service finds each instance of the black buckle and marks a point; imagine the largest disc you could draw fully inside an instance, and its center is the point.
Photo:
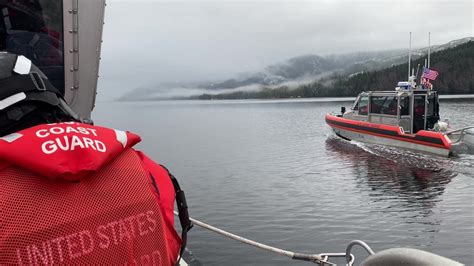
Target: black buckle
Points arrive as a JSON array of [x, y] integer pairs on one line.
[[38, 81]]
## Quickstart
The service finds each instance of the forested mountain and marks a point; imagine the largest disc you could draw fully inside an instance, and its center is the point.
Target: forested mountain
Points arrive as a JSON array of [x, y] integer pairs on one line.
[[455, 66], [311, 67]]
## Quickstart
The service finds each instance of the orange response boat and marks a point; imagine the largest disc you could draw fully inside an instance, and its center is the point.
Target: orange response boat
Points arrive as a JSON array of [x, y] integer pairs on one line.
[[407, 117]]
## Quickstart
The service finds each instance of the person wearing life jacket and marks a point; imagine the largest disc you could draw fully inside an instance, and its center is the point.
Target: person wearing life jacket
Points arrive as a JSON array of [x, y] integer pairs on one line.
[[75, 193]]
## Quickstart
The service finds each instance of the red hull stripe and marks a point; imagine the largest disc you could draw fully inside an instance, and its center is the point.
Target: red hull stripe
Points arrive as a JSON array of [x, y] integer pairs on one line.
[[391, 132]]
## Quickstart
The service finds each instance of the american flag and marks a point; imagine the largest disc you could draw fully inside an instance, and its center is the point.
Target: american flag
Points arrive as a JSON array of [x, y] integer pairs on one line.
[[429, 74], [426, 83]]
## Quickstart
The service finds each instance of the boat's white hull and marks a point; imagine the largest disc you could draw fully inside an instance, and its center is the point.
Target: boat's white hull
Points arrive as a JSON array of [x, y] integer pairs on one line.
[[351, 135]]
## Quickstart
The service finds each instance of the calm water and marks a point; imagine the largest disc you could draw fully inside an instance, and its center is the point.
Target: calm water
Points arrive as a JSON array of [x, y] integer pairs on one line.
[[273, 171]]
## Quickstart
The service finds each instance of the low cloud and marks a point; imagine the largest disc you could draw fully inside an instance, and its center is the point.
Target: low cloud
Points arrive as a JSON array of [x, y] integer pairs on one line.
[[156, 42]]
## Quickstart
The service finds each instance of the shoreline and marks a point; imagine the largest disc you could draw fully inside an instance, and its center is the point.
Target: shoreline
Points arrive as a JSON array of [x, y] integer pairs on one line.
[[313, 99]]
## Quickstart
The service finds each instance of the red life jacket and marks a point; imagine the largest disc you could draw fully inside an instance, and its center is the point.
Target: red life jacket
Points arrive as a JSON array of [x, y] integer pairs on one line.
[[74, 193]]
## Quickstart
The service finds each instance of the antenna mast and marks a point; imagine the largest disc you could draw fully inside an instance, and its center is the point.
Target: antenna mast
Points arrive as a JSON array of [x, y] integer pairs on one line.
[[429, 48], [409, 57]]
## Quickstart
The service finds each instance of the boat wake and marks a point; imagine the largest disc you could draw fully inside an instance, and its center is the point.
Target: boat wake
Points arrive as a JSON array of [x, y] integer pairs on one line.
[[463, 163]]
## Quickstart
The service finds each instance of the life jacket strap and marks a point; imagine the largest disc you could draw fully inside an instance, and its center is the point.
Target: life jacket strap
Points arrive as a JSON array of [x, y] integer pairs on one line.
[[183, 213], [32, 82]]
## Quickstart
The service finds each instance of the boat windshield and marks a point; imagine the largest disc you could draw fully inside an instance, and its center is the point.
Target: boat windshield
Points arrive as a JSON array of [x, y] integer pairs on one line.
[[386, 105], [35, 29], [363, 105], [404, 105]]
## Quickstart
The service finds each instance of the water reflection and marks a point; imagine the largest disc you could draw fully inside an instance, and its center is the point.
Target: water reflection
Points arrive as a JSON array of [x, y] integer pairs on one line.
[[409, 190]]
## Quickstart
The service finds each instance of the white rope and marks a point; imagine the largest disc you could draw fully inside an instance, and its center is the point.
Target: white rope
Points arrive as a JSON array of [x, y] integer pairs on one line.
[[293, 255]]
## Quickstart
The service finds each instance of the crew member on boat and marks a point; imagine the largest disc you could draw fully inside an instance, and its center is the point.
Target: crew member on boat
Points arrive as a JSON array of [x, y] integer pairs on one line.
[[75, 193]]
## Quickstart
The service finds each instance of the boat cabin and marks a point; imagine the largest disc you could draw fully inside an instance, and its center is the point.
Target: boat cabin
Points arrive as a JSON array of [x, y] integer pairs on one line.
[[28, 29], [62, 38], [411, 109]]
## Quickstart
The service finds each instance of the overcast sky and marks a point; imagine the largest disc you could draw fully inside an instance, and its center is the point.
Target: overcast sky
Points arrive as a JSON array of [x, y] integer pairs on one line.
[[151, 42]]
